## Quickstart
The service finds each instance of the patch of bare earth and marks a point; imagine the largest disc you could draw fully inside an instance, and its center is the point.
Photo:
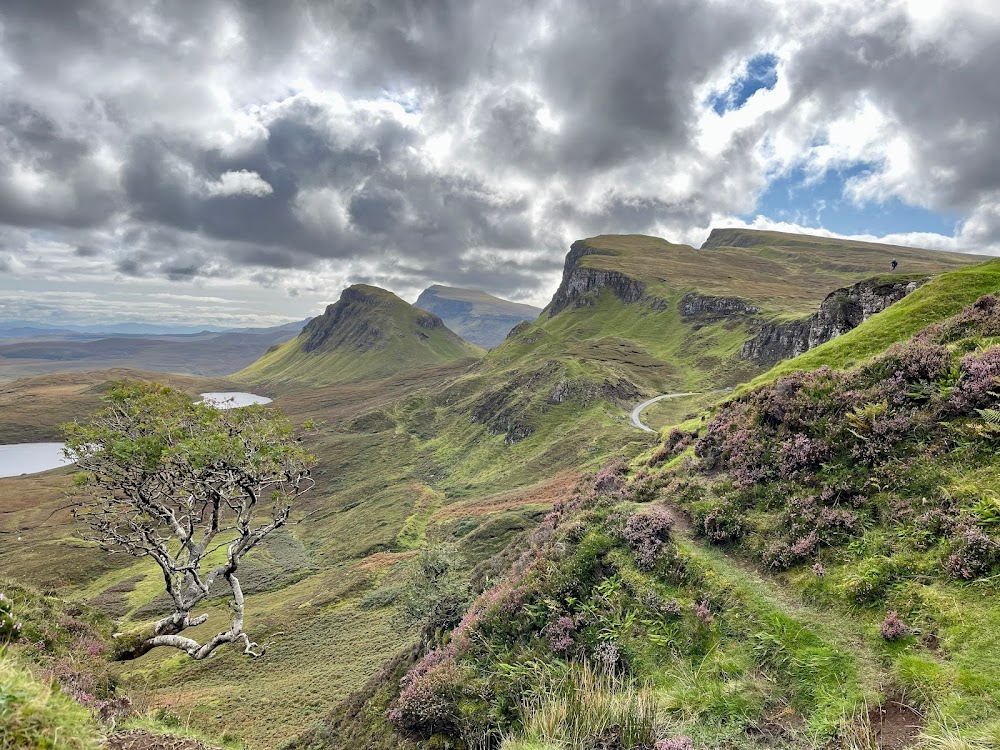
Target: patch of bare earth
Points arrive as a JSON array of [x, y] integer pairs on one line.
[[895, 726], [139, 739]]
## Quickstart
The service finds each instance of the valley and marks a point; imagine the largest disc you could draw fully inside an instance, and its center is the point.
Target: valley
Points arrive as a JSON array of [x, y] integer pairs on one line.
[[685, 557]]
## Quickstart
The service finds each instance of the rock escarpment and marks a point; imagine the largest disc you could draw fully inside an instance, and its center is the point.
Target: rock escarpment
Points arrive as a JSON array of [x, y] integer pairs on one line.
[[842, 311], [701, 307], [578, 281]]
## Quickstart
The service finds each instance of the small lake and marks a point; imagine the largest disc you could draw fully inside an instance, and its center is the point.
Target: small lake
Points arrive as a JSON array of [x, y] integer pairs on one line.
[[234, 399], [30, 458]]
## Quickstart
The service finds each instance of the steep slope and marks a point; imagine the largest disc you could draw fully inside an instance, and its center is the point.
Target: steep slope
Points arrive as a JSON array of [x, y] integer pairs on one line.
[[369, 333], [636, 315], [477, 317], [815, 566]]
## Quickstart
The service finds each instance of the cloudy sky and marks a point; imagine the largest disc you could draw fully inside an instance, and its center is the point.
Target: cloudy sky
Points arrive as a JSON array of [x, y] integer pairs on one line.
[[201, 161]]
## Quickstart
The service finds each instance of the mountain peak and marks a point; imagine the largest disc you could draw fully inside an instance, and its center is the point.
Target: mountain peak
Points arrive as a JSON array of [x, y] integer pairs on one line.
[[475, 315], [369, 333]]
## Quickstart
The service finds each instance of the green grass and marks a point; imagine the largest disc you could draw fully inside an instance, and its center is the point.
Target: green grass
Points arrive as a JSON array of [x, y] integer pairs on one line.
[[34, 714]]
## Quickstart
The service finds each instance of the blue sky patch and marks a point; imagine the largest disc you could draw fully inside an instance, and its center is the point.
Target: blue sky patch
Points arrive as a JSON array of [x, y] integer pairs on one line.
[[761, 73], [823, 204]]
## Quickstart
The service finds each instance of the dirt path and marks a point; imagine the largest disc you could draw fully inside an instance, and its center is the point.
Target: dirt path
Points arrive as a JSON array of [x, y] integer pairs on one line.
[[833, 627]]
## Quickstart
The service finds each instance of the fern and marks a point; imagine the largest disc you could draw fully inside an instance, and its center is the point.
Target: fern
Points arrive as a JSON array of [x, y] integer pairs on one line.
[[990, 416]]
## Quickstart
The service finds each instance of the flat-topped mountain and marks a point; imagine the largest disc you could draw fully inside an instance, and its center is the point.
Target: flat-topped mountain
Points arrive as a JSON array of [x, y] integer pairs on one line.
[[476, 316], [369, 333], [637, 315], [778, 272]]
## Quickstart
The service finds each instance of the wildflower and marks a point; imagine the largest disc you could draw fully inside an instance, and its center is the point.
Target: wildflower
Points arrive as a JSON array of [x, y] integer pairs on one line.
[[680, 742]]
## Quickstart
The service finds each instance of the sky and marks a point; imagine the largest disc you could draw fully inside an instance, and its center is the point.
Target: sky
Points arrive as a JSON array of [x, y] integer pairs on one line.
[[240, 163]]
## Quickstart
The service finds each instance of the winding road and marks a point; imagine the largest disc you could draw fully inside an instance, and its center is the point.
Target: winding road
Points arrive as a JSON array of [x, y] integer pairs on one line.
[[634, 418]]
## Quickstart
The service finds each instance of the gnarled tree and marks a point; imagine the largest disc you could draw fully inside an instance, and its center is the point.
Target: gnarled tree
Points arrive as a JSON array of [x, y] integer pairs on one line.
[[191, 486]]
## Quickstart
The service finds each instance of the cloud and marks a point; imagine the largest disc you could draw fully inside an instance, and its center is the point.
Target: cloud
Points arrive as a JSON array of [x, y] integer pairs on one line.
[[300, 146], [243, 182]]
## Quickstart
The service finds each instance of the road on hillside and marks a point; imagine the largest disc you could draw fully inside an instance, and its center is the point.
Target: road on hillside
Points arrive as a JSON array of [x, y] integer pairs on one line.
[[634, 419]]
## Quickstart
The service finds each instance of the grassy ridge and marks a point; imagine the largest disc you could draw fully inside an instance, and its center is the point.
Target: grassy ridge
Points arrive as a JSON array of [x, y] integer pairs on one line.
[[783, 274]]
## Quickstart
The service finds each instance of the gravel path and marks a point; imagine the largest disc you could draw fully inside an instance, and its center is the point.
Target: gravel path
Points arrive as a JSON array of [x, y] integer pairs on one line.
[[634, 418]]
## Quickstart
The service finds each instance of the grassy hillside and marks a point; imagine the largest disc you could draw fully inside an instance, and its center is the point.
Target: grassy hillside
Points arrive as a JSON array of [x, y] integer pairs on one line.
[[815, 567], [617, 329], [441, 453], [369, 333], [940, 298], [476, 316]]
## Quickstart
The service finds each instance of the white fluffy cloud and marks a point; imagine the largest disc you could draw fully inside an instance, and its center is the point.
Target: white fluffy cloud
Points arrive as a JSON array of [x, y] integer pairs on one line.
[[242, 182]]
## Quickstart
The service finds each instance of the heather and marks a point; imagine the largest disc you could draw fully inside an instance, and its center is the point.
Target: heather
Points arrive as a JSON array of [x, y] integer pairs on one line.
[[608, 630], [822, 546], [818, 460]]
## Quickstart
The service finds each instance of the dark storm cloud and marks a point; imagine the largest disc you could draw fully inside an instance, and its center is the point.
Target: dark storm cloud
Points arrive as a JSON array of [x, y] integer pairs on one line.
[[457, 141]]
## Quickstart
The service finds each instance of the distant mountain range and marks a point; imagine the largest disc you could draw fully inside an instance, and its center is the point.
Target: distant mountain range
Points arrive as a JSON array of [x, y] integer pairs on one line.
[[26, 350], [30, 329], [476, 316]]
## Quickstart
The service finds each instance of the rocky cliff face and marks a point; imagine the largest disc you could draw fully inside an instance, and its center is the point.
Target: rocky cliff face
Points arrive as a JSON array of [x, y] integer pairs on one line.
[[839, 313], [344, 322], [694, 306], [578, 281]]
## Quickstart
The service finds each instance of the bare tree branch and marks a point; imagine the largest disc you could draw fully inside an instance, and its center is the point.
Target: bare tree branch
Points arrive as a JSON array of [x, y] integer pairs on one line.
[[178, 482]]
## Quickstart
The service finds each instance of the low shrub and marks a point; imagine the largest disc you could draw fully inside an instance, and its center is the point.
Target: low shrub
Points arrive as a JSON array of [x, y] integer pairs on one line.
[[646, 533], [893, 629]]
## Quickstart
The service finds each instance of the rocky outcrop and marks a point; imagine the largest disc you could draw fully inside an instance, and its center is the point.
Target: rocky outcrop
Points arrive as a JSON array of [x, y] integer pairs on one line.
[[620, 391], [842, 311], [519, 329], [578, 281], [702, 307], [430, 320], [344, 322]]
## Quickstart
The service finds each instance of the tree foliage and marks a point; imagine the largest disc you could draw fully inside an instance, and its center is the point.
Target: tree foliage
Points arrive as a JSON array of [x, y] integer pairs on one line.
[[191, 486]]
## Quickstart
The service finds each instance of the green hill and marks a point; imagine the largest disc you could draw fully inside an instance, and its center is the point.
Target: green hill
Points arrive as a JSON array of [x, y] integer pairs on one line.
[[472, 454], [815, 566], [477, 317], [637, 315], [368, 334]]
